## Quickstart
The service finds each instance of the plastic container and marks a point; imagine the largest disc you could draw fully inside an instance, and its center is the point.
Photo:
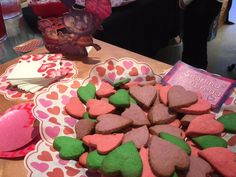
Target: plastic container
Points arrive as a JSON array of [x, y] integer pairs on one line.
[[11, 8]]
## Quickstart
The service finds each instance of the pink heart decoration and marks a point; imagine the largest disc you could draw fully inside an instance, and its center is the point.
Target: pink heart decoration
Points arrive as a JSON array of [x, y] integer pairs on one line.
[[42, 167], [128, 64], [139, 79], [145, 70], [16, 135], [70, 121], [3, 88], [67, 64], [229, 101], [52, 131], [42, 115], [4, 78], [45, 103], [112, 76], [45, 67], [73, 93], [65, 99], [61, 161]]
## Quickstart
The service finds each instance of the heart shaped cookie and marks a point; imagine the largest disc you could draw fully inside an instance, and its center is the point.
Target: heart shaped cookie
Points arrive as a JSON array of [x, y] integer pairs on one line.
[[203, 125], [207, 141], [123, 161], [104, 143], [147, 171], [145, 95], [120, 99], [199, 167], [177, 141], [84, 127], [94, 160], [222, 159], [163, 151], [139, 136], [68, 147], [164, 93], [157, 129], [75, 108], [178, 97], [160, 114], [111, 123], [135, 113], [200, 107], [105, 90], [99, 107], [86, 92], [229, 121]]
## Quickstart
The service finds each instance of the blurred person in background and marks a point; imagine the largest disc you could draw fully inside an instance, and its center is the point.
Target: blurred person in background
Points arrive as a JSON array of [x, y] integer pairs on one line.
[[198, 17]]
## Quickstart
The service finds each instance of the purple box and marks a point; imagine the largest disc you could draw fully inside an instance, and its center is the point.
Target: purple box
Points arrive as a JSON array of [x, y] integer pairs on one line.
[[213, 88]]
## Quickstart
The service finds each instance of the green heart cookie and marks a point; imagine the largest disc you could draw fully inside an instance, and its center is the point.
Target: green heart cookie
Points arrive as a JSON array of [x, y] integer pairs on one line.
[[69, 148], [121, 82], [87, 92], [94, 160], [120, 99], [207, 141], [123, 161], [229, 121], [177, 141]]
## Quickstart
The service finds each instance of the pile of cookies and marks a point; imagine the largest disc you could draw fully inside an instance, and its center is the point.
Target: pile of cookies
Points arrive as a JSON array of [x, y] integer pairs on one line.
[[133, 129]]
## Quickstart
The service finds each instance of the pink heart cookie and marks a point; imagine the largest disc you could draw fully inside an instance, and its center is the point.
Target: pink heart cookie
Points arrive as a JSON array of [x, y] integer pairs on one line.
[[204, 125], [104, 143], [222, 159], [99, 107], [105, 90], [139, 136], [145, 95], [109, 123], [75, 108], [178, 97]]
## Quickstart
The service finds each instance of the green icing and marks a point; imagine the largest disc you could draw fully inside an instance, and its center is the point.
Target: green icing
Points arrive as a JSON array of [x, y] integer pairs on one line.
[[123, 161], [87, 92], [177, 141], [120, 99], [229, 121], [207, 141], [94, 160], [69, 148]]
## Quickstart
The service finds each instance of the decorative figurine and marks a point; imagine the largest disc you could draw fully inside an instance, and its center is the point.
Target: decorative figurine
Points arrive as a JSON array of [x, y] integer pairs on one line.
[[72, 33]]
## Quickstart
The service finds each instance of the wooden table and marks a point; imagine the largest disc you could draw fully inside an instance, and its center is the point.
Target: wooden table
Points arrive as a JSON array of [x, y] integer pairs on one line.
[[15, 168]]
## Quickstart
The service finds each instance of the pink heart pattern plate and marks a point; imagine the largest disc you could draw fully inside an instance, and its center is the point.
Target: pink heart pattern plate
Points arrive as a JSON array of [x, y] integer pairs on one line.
[[45, 161], [12, 93]]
